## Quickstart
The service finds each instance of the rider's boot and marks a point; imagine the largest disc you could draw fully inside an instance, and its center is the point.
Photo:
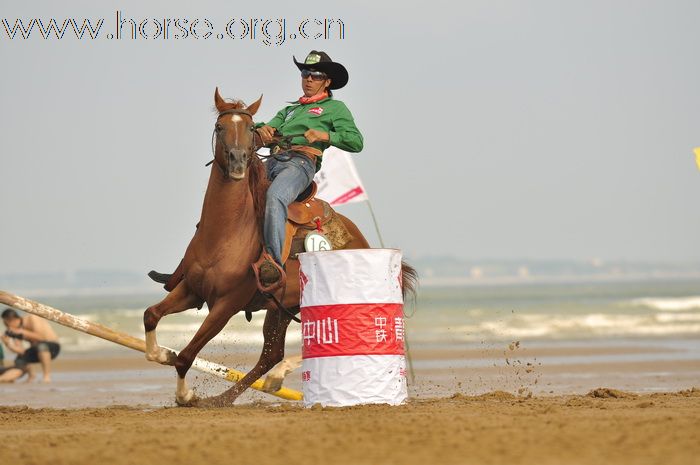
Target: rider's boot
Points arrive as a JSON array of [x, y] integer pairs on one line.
[[161, 278], [270, 276], [170, 280]]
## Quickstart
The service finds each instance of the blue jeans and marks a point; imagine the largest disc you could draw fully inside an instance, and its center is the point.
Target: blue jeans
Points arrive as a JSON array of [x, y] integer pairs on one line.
[[289, 179]]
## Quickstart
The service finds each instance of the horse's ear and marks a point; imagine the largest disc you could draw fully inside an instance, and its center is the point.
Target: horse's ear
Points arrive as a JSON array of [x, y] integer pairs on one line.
[[253, 107], [218, 101]]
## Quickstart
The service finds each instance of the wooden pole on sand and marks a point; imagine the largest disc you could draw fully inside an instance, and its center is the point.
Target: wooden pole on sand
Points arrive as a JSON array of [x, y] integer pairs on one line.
[[95, 329]]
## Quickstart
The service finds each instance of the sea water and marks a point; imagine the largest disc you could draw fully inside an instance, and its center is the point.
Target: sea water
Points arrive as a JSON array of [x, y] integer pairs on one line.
[[597, 313], [459, 335], [602, 312]]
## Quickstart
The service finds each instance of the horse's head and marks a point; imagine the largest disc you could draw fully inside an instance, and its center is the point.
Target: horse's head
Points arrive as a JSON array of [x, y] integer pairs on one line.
[[235, 136]]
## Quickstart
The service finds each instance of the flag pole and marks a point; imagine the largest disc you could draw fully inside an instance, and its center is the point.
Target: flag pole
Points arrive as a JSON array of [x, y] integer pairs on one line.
[[376, 225], [405, 335]]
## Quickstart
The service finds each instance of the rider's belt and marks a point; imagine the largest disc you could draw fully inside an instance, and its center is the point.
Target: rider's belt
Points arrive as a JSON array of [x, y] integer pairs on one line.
[[310, 152]]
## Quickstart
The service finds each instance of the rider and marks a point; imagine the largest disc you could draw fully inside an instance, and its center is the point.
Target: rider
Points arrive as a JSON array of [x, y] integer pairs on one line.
[[323, 121]]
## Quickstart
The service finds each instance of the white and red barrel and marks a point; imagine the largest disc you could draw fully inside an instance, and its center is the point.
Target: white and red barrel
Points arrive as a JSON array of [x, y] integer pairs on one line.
[[352, 327]]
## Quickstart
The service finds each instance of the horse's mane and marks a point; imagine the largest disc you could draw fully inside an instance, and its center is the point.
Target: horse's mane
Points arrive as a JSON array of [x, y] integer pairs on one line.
[[230, 104]]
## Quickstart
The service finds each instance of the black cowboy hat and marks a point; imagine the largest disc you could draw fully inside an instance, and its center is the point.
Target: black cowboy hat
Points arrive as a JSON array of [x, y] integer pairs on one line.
[[320, 61]]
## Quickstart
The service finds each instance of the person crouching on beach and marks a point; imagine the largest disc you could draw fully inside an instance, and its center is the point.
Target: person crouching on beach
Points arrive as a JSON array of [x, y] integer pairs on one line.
[[43, 345]]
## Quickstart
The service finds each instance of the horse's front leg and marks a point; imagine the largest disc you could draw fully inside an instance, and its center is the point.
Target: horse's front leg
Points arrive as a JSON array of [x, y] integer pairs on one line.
[[180, 299], [212, 325], [274, 331]]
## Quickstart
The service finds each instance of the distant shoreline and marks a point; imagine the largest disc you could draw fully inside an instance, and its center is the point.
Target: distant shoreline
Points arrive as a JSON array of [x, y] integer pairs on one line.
[[154, 290], [457, 281]]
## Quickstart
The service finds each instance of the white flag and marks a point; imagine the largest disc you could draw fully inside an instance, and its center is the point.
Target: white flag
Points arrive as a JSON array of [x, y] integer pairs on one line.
[[338, 181]]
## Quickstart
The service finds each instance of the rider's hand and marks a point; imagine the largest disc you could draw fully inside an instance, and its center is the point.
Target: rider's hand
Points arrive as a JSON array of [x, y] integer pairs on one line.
[[312, 135], [267, 133]]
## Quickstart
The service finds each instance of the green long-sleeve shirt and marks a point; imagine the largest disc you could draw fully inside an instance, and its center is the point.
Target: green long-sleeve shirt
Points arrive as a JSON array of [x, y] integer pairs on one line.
[[328, 115]]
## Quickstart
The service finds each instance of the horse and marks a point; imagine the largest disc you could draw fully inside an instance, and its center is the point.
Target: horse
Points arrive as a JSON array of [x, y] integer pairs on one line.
[[217, 262]]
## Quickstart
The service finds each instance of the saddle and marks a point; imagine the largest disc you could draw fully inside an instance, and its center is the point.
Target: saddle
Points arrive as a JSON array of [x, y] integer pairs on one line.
[[304, 214]]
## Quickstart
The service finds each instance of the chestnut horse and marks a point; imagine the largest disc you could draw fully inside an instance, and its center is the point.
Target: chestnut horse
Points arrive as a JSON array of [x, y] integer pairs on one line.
[[217, 263]]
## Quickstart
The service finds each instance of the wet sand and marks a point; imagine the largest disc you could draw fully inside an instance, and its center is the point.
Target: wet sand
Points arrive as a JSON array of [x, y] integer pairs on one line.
[[502, 404], [496, 428], [123, 377]]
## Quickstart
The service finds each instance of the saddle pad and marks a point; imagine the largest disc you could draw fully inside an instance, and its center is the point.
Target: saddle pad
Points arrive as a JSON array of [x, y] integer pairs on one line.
[[334, 230]]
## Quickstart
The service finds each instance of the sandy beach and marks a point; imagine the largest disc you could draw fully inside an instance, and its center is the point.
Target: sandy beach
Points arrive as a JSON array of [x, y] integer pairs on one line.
[[606, 426], [492, 405]]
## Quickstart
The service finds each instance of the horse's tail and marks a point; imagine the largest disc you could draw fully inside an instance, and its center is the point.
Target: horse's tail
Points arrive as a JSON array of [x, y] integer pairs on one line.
[[409, 281]]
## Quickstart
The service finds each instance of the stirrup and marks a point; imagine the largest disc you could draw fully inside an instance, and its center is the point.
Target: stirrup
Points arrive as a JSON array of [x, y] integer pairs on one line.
[[263, 268]]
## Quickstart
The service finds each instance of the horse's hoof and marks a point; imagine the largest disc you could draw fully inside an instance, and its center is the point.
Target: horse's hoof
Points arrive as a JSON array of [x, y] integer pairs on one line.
[[188, 400], [162, 356], [272, 383]]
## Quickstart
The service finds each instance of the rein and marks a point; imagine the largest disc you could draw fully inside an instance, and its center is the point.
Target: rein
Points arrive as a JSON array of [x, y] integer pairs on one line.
[[283, 142], [281, 147]]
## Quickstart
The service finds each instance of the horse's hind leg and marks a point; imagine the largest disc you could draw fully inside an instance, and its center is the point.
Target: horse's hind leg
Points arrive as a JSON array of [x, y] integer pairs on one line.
[[274, 331], [178, 300]]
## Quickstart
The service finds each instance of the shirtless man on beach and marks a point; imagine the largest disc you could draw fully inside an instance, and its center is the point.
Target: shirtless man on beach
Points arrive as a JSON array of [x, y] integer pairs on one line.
[[43, 347]]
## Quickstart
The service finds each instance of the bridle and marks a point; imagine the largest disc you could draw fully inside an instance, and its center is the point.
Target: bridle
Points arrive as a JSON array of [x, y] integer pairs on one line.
[[282, 142], [249, 151]]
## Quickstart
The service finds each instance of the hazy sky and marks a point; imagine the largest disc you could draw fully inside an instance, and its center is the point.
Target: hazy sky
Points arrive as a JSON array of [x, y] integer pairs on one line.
[[493, 129]]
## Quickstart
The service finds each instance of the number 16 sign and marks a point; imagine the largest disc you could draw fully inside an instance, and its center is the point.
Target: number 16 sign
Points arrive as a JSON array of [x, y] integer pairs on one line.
[[316, 242]]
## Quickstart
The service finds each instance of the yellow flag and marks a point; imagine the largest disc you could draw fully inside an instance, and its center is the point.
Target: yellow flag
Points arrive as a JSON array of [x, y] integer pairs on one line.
[[697, 156]]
